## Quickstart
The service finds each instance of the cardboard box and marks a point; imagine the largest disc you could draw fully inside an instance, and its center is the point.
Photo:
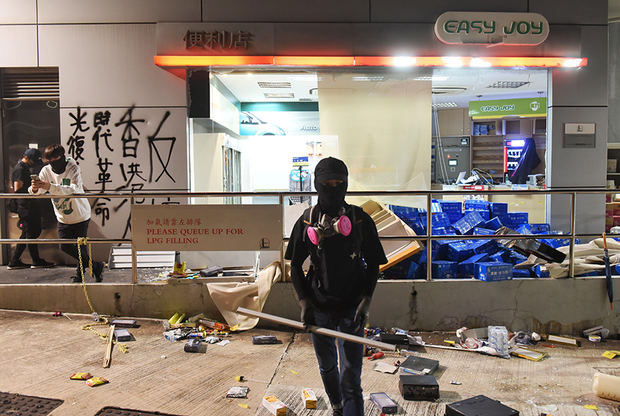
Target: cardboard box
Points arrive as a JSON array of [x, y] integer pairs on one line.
[[309, 398], [274, 405]]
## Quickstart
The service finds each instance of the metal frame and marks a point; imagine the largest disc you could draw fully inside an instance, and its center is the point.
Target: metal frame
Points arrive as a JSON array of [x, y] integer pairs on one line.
[[429, 238]]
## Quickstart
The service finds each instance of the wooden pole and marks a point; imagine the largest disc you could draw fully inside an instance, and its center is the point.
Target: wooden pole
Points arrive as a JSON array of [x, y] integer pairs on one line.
[[108, 350], [317, 330]]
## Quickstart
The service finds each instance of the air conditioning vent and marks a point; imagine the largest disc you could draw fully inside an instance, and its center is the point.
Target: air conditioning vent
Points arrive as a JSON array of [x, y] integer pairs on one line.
[[265, 84], [269, 95], [448, 90], [444, 105], [508, 84], [30, 84]]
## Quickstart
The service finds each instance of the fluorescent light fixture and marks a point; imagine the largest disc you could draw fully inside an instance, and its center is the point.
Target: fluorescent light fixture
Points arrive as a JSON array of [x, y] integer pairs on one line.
[[431, 78], [452, 61], [403, 61], [369, 78], [479, 63]]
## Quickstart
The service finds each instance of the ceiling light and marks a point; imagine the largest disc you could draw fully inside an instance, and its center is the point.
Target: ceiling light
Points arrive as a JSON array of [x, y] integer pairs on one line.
[[431, 78], [370, 78], [450, 104], [479, 63], [452, 61], [572, 63], [274, 84]]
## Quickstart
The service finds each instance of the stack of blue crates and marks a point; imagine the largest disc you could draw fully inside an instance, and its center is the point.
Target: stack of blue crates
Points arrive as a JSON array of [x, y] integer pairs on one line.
[[484, 259]]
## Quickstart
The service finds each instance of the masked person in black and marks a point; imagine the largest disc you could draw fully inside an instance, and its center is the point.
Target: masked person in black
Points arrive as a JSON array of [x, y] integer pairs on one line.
[[345, 254], [28, 211]]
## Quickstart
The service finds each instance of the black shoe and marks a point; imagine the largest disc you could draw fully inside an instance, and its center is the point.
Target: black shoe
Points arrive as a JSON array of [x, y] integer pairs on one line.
[[17, 265], [337, 412], [98, 271], [76, 279], [42, 264]]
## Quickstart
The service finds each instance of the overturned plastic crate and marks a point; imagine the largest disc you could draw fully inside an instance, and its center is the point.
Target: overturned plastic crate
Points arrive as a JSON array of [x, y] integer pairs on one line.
[[493, 224], [459, 251], [498, 208], [469, 221], [466, 267], [483, 231], [485, 246], [441, 219], [540, 228], [491, 271], [483, 214], [476, 204]]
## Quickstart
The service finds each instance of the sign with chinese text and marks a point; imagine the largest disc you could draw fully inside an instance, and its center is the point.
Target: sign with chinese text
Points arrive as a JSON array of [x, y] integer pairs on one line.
[[522, 107], [456, 28], [207, 227], [217, 39]]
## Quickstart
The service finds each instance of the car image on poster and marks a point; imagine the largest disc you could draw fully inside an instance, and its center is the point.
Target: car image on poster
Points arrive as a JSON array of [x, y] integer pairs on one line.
[[251, 125]]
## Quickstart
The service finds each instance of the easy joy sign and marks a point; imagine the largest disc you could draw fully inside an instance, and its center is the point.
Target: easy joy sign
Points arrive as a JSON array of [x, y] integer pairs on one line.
[[491, 28]]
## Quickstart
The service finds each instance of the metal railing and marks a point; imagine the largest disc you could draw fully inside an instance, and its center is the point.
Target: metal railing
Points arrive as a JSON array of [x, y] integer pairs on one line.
[[428, 237]]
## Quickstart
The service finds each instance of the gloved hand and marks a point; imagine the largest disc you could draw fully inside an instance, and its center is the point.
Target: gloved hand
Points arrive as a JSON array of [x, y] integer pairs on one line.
[[306, 313], [361, 313]]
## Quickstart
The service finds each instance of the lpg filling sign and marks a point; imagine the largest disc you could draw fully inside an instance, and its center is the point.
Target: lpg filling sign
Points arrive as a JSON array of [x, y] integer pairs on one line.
[[492, 28]]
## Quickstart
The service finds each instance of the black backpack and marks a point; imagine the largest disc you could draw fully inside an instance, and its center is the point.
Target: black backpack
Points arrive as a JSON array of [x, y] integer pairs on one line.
[[13, 206]]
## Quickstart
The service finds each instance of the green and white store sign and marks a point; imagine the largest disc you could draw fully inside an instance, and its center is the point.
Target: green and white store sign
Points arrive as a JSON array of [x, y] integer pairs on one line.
[[522, 107], [492, 28]]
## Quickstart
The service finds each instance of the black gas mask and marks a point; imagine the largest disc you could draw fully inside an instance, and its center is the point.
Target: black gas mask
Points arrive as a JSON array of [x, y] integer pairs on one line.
[[58, 166], [330, 181]]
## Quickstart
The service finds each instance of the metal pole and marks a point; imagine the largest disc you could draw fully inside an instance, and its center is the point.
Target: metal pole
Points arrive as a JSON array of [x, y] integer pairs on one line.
[[282, 268], [429, 241], [134, 256], [317, 330], [571, 249]]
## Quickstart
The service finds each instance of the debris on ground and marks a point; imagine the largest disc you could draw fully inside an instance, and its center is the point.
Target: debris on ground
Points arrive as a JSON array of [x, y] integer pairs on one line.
[[237, 392], [309, 398], [274, 405]]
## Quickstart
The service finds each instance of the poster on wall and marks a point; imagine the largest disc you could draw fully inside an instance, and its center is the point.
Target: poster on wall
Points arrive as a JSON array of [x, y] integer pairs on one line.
[[279, 123], [125, 150]]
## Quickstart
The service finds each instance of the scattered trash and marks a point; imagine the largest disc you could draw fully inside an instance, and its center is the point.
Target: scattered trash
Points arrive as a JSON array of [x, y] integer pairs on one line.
[[309, 398], [418, 387], [480, 406], [96, 381], [376, 355], [224, 342], [384, 367], [237, 392], [57, 314], [450, 342], [195, 345], [563, 340], [597, 330], [124, 323], [594, 338], [122, 335], [212, 339], [395, 339], [163, 357], [456, 383], [498, 340], [611, 354], [419, 365], [274, 405], [384, 403], [245, 406], [528, 354], [294, 372], [606, 386], [591, 406], [264, 339], [240, 378], [80, 376]]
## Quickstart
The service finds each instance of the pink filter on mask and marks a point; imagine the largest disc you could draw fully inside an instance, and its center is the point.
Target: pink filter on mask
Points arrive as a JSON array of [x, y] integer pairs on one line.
[[313, 235], [343, 226]]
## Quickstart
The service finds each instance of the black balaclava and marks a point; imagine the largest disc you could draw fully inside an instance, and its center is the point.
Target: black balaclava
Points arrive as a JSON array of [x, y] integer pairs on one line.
[[331, 198], [58, 166]]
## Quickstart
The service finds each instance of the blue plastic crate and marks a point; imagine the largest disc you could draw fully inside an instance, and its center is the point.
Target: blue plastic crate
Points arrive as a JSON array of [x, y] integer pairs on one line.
[[469, 221], [483, 214], [483, 231], [441, 249], [517, 218], [501, 256], [443, 269], [516, 258], [521, 273], [459, 251], [485, 246], [506, 220], [498, 208], [444, 231], [440, 219], [450, 206], [476, 204], [542, 272], [454, 216], [466, 267], [493, 224], [540, 228], [491, 271]]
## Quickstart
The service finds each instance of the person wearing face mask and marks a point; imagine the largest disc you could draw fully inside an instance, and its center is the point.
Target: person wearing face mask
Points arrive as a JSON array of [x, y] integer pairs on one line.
[[345, 254], [28, 211], [62, 176]]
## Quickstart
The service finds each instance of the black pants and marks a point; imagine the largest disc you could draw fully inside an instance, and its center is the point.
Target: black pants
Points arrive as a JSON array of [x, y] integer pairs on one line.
[[30, 224], [73, 231]]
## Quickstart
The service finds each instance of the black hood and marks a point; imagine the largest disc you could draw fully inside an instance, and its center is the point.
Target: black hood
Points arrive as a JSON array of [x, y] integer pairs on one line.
[[331, 198]]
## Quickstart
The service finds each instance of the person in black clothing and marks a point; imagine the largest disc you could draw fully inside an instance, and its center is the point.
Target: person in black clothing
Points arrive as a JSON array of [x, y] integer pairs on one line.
[[28, 211], [336, 291]]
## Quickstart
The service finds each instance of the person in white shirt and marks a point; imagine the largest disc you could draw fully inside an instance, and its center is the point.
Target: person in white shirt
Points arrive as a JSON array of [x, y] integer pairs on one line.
[[62, 176]]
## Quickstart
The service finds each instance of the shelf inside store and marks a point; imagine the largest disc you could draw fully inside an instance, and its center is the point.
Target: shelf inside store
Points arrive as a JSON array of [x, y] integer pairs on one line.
[[495, 147], [613, 173], [488, 135]]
